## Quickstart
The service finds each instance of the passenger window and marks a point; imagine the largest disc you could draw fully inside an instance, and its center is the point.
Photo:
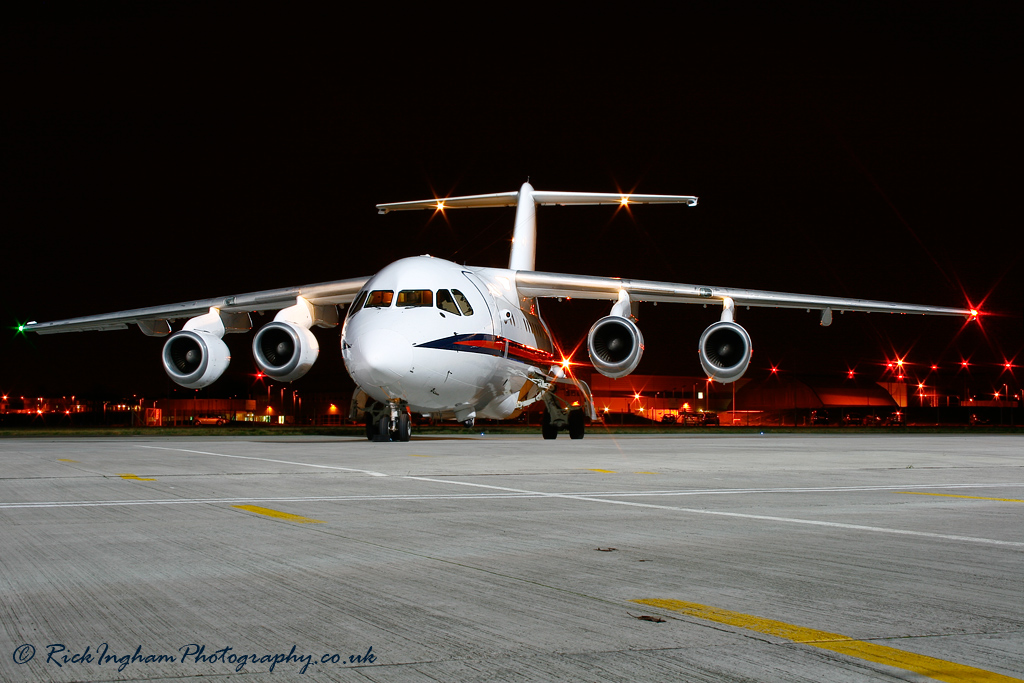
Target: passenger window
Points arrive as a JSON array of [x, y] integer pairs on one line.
[[446, 303], [463, 302], [379, 299], [411, 298]]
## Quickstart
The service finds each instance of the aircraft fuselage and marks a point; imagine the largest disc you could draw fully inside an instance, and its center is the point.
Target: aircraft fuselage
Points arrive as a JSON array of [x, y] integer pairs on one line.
[[448, 340]]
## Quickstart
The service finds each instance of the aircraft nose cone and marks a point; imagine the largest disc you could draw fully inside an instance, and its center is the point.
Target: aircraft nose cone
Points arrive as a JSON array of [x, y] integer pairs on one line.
[[384, 357]]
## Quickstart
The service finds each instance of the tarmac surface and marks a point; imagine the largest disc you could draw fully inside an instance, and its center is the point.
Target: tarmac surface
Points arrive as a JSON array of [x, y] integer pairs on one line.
[[615, 558]]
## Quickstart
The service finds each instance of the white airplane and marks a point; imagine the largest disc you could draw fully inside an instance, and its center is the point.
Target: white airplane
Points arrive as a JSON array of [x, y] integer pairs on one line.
[[429, 336]]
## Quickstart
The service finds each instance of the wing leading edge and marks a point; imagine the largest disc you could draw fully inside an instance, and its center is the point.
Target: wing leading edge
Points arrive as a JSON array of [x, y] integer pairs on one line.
[[538, 284], [155, 320]]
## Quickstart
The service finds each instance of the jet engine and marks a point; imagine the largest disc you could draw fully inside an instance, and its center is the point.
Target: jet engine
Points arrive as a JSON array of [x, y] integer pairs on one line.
[[615, 345], [725, 351], [285, 349], [195, 358]]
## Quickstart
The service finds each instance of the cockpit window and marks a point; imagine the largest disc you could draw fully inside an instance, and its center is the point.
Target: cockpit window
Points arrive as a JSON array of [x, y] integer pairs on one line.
[[358, 303], [446, 303], [409, 298], [379, 299], [463, 302]]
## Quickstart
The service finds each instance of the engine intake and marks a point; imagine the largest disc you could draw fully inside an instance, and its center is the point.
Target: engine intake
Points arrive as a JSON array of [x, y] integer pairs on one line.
[[725, 351], [615, 345], [195, 358], [285, 351]]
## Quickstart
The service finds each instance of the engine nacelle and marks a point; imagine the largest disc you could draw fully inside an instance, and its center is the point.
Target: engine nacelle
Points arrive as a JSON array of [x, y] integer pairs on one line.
[[725, 351], [195, 358], [285, 351], [615, 346]]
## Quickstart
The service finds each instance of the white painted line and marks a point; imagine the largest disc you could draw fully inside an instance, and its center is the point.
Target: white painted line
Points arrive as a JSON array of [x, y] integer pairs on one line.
[[282, 462], [250, 499], [741, 515]]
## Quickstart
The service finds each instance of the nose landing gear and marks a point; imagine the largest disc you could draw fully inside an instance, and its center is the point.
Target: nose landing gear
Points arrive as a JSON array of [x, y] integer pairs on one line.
[[388, 423]]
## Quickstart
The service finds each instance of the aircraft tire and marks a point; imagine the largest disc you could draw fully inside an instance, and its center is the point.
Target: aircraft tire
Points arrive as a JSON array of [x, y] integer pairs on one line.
[[371, 427], [384, 429], [404, 427], [547, 430], [576, 425]]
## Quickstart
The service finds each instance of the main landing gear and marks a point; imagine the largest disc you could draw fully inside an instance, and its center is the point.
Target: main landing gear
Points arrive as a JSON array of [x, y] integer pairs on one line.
[[556, 418], [388, 423]]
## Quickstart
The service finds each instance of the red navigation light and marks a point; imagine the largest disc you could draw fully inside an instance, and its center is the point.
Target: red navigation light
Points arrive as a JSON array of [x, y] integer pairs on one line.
[[849, 373], [935, 367], [964, 363]]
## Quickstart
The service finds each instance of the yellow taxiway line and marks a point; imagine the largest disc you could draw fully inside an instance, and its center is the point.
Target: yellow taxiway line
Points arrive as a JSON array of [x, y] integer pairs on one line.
[[950, 495], [277, 514], [939, 669]]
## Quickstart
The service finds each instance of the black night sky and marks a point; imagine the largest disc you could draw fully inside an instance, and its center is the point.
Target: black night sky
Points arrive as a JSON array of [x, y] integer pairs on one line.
[[155, 153]]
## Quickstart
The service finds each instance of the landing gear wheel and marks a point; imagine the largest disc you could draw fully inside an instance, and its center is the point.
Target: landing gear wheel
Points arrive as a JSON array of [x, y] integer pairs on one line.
[[384, 429], [576, 426], [404, 427], [547, 430]]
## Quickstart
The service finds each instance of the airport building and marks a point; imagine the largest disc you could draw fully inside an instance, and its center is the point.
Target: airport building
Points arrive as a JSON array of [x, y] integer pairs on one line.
[[781, 400]]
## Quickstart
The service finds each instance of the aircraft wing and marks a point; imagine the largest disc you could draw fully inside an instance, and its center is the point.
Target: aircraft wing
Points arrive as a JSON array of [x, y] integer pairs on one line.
[[155, 320], [537, 284]]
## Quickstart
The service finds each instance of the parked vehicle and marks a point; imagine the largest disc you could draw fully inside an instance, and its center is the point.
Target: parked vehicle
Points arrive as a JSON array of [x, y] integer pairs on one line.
[[819, 417], [896, 419], [710, 419], [209, 420]]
